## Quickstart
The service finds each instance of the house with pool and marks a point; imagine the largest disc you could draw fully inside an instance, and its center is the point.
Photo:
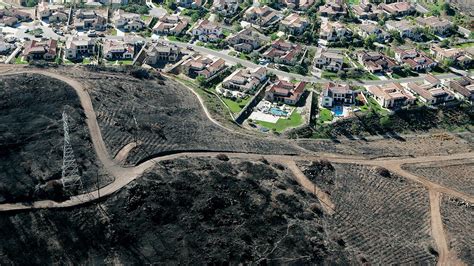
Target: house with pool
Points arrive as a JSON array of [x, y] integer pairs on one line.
[[285, 92], [337, 97]]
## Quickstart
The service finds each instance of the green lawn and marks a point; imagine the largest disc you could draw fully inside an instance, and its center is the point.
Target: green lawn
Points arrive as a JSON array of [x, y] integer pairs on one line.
[[67, 62], [325, 115], [374, 105], [19, 60], [465, 45], [236, 107], [353, 2], [113, 32], [329, 75], [294, 120], [86, 61], [125, 62]]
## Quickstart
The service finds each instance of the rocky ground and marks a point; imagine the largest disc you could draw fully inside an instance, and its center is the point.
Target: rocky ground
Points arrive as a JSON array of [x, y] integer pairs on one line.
[[31, 137], [182, 212]]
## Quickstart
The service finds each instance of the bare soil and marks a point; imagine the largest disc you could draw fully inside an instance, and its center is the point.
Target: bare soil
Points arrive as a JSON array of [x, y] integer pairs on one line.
[[182, 212]]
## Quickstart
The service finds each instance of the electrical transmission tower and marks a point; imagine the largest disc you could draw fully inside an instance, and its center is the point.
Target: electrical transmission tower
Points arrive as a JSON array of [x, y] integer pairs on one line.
[[70, 172]]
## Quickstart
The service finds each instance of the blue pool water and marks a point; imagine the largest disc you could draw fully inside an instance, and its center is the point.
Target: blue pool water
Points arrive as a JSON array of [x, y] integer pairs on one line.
[[338, 111], [278, 112]]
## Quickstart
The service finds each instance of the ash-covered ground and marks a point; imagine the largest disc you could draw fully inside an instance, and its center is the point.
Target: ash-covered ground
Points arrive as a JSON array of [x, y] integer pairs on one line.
[[380, 218], [185, 211], [31, 137], [458, 218]]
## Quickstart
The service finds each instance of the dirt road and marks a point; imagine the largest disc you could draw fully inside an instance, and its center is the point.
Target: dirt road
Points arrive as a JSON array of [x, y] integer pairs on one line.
[[125, 175]]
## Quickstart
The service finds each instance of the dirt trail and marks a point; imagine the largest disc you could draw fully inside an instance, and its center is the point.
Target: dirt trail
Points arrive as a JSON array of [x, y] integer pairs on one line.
[[446, 257], [122, 155], [301, 178], [124, 175]]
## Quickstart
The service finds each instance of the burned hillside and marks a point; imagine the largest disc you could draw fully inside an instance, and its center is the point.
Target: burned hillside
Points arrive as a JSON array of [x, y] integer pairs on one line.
[[181, 212], [31, 136]]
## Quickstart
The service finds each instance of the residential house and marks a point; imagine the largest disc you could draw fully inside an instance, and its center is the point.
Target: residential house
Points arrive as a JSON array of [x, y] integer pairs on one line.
[[405, 27], [415, 59], [329, 60], [366, 10], [294, 24], [170, 25], [58, 17], [391, 95], [203, 66], [297, 4], [262, 16], [368, 29], [245, 80], [333, 9], [436, 25], [45, 10], [127, 21], [463, 88], [334, 31], [336, 94], [189, 3], [430, 90], [283, 52], [161, 53], [285, 92], [245, 40], [113, 49], [5, 47], [225, 7], [458, 56], [398, 9], [7, 21], [376, 62], [78, 47], [20, 15], [40, 50], [89, 20], [207, 31]]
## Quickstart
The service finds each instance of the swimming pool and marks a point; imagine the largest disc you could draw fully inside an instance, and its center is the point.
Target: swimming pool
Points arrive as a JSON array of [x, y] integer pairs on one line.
[[338, 111], [278, 112]]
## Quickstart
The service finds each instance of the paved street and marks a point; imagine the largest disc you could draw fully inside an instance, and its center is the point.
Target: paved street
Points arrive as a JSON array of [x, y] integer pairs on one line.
[[280, 73]]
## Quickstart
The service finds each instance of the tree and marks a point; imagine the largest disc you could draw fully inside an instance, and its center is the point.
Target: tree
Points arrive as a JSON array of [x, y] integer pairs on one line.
[[396, 37], [31, 3], [201, 80], [369, 41]]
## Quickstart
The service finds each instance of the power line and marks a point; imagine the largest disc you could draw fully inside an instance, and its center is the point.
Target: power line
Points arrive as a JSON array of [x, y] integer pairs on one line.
[[70, 172]]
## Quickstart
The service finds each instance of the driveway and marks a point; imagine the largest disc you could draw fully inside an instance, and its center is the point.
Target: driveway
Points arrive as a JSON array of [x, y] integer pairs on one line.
[[155, 11]]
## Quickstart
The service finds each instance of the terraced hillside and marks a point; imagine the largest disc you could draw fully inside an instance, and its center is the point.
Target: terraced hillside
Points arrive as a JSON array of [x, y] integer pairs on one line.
[[182, 212], [459, 175], [439, 144], [163, 116], [380, 218], [31, 137], [458, 218]]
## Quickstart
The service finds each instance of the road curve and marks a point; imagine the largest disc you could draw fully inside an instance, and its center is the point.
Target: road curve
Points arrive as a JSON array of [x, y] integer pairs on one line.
[[124, 175]]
